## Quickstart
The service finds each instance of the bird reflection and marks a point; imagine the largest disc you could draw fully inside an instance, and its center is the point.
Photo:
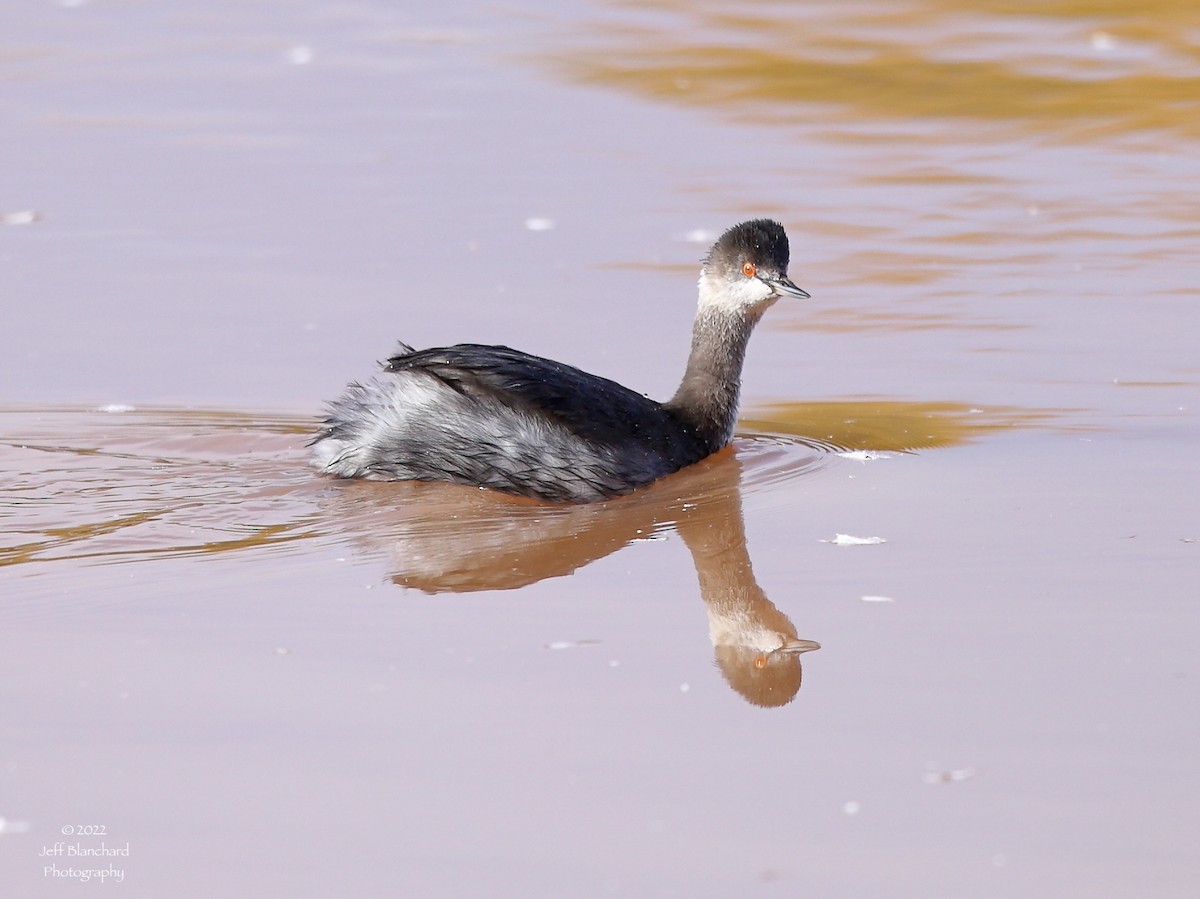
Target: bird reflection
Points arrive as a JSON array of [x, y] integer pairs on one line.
[[755, 644], [450, 539]]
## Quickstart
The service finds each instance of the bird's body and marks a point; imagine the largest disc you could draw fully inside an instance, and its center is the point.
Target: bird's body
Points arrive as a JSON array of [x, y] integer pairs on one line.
[[495, 417]]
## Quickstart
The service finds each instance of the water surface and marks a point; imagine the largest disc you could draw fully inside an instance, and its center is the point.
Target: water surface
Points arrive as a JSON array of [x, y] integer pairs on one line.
[[267, 683]]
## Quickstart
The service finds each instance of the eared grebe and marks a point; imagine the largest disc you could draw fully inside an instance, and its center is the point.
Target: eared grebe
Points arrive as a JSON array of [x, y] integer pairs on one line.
[[491, 416]]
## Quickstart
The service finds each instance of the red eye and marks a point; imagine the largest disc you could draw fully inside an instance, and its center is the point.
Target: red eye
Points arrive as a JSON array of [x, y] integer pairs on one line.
[[749, 269]]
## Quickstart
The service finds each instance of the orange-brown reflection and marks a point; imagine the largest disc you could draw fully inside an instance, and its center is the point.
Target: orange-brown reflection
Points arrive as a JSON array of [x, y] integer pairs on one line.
[[755, 644], [82, 485], [444, 538], [891, 424], [145, 484], [1047, 64]]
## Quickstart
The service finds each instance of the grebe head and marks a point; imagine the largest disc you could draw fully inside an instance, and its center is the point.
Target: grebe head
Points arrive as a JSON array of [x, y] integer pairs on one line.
[[746, 269]]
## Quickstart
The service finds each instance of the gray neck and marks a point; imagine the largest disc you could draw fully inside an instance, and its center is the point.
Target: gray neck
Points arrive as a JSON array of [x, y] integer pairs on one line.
[[707, 398]]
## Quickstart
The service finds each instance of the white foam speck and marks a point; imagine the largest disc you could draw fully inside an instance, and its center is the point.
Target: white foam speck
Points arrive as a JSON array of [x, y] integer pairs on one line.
[[7, 826], [539, 224], [117, 407], [850, 540], [569, 644], [864, 455], [300, 55], [877, 599], [954, 775]]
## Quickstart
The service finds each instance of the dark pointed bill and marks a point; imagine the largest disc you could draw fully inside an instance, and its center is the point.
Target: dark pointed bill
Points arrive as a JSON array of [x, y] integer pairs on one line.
[[785, 287]]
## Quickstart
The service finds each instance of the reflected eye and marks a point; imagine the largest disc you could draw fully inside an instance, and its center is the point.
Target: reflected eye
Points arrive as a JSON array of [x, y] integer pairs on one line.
[[749, 269]]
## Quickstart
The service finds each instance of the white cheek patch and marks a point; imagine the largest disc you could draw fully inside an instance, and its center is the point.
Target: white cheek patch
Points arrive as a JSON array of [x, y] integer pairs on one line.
[[732, 296], [733, 627]]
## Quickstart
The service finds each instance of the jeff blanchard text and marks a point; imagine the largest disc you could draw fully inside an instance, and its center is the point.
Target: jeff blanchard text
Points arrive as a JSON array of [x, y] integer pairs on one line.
[[79, 849]]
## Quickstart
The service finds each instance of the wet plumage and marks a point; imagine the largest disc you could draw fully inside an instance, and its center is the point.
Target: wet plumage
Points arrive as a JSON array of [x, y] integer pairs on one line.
[[491, 416]]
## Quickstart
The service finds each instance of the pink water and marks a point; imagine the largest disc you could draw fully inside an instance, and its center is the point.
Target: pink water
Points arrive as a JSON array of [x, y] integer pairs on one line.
[[262, 683]]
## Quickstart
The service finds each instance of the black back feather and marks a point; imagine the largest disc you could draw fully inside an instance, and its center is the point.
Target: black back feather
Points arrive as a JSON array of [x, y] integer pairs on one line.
[[594, 408]]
